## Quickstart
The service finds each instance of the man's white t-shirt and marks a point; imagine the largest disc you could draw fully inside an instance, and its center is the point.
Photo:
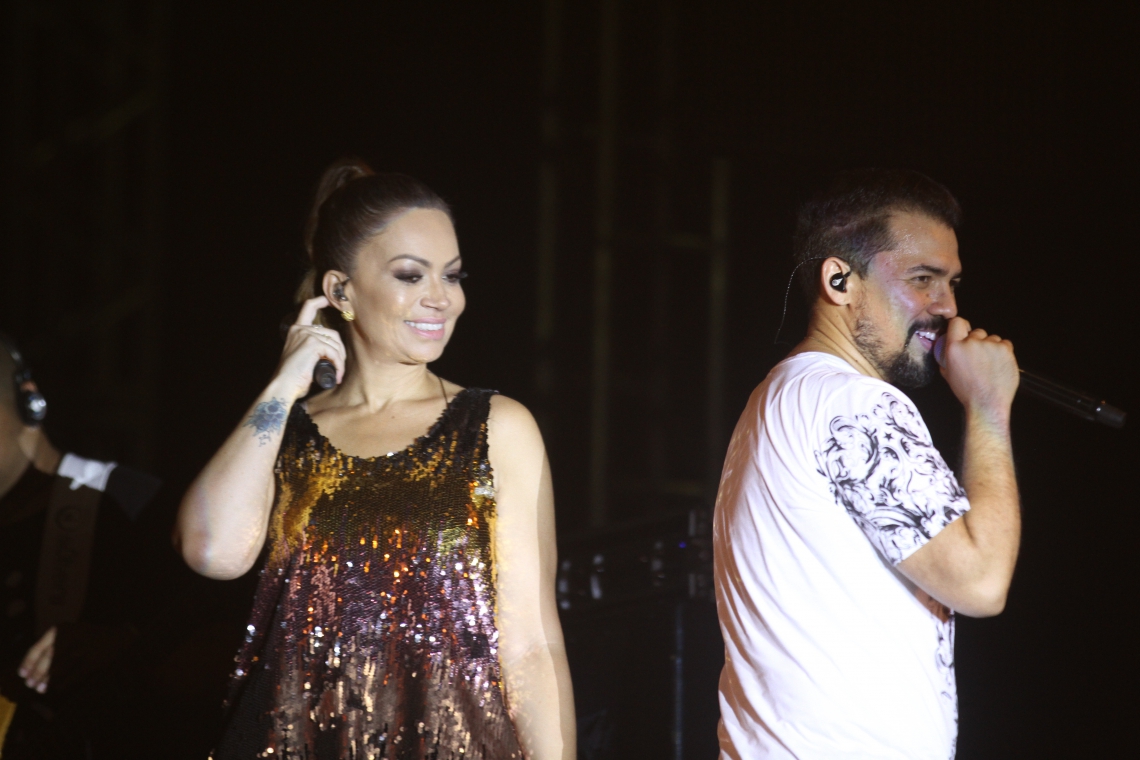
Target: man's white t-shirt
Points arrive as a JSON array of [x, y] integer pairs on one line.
[[830, 481]]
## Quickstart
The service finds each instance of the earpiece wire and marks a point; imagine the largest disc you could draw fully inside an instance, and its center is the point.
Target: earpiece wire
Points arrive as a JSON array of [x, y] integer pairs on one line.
[[788, 291]]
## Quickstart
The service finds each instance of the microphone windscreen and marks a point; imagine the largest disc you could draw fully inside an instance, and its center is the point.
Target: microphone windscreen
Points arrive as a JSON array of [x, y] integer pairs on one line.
[[939, 349]]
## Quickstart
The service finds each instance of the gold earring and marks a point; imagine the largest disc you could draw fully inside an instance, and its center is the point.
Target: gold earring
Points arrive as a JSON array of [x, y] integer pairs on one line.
[[347, 315]]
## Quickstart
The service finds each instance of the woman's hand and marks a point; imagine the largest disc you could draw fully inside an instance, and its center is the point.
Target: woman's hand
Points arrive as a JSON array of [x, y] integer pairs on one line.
[[224, 516], [305, 345]]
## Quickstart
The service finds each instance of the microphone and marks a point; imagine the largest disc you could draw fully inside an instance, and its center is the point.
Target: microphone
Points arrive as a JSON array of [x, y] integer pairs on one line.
[[1081, 404], [324, 374]]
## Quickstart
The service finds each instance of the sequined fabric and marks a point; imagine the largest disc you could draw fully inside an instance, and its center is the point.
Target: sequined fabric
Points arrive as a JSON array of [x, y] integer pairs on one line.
[[373, 627]]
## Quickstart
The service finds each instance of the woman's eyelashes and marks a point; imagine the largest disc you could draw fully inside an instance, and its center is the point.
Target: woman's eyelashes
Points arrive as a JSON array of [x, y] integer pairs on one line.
[[453, 277]]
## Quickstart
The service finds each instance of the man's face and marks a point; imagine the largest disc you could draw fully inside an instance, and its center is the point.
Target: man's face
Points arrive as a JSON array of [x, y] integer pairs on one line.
[[907, 298]]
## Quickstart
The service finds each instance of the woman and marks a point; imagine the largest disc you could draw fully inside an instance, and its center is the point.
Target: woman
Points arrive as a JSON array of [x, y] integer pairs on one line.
[[406, 602]]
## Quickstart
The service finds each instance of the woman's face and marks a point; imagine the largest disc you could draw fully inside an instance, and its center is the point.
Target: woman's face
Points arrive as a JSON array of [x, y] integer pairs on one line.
[[406, 291]]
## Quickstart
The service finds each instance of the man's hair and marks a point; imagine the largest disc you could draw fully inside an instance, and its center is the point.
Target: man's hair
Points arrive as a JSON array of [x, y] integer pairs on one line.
[[851, 219]]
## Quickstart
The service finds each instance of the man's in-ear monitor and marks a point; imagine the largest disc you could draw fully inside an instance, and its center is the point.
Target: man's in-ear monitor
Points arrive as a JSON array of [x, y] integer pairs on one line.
[[838, 281]]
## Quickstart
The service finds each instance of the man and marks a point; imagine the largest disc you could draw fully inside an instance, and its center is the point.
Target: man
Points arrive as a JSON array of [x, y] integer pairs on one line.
[[68, 569], [843, 542]]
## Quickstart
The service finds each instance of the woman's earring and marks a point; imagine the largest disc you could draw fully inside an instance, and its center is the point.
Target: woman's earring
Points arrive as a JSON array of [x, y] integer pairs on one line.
[[347, 315]]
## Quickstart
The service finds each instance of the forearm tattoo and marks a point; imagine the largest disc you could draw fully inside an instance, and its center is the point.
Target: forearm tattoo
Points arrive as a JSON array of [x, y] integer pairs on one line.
[[267, 419]]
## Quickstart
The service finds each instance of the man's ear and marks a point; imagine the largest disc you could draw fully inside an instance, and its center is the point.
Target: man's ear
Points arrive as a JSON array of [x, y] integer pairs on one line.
[[335, 286], [835, 280]]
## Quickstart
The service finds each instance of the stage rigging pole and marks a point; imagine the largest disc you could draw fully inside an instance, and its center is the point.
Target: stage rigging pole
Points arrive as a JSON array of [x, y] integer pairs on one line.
[[603, 259], [548, 186]]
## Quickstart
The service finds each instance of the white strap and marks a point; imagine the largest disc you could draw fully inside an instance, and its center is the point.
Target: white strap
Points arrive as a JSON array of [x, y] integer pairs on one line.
[[86, 472]]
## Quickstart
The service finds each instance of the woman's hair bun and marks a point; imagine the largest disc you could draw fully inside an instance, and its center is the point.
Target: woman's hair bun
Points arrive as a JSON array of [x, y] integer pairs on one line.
[[352, 205], [339, 174]]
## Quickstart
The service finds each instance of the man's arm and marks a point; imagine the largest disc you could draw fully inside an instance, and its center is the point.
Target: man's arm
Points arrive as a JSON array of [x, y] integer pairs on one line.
[[968, 566]]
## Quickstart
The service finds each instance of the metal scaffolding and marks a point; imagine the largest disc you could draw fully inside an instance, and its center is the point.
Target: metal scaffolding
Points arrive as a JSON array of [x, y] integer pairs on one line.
[[633, 249], [84, 206], [616, 239]]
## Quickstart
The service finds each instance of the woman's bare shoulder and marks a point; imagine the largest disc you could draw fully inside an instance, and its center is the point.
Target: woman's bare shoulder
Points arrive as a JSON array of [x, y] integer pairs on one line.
[[517, 455], [511, 423], [510, 412]]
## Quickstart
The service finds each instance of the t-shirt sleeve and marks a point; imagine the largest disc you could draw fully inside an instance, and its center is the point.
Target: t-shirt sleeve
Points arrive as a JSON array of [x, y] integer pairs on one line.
[[883, 469]]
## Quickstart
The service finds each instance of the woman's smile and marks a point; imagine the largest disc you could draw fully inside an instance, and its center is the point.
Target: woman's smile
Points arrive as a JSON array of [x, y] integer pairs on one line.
[[432, 329]]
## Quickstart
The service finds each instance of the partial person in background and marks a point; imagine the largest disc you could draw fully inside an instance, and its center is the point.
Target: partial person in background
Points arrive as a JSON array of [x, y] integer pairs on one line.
[[843, 543], [406, 604], [67, 590]]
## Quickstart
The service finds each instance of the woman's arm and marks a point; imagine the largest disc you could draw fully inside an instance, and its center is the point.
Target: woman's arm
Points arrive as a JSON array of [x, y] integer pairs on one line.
[[224, 515], [531, 649]]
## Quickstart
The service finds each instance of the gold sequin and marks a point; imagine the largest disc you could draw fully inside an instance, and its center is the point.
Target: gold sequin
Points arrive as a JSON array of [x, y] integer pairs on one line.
[[393, 665]]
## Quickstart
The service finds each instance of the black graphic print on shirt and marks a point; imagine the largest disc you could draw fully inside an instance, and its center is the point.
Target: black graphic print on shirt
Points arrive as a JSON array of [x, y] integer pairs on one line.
[[883, 469]]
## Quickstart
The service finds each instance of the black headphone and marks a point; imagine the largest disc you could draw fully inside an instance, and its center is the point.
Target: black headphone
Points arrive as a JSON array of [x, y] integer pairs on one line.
[[838, 281], [30, 404]]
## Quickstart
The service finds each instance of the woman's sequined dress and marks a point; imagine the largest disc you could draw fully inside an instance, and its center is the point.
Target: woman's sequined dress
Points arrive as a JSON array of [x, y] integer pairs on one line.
[[373, 628]]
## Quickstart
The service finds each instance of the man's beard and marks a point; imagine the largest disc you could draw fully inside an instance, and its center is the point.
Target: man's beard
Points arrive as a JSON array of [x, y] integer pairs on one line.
[[899, 368]]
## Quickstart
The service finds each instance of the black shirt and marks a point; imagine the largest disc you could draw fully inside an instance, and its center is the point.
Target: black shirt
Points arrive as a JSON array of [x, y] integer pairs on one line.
[[86, 651]]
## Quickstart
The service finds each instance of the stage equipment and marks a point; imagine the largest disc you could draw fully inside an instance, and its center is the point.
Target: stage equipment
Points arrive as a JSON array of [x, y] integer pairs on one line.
[[642, 637], [1081, 404], [84, 211], [642, 425]]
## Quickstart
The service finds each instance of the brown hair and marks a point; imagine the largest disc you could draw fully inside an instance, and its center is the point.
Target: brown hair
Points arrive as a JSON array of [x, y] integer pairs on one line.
[[352, 205], [851, 219]]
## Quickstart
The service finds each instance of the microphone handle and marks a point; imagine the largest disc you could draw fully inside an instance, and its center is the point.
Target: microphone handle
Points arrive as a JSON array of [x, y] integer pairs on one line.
[[324, 374], [1081, 404]]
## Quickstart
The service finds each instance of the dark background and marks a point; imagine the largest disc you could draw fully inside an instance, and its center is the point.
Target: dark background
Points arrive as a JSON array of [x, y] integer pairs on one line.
[[1025, 111]]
